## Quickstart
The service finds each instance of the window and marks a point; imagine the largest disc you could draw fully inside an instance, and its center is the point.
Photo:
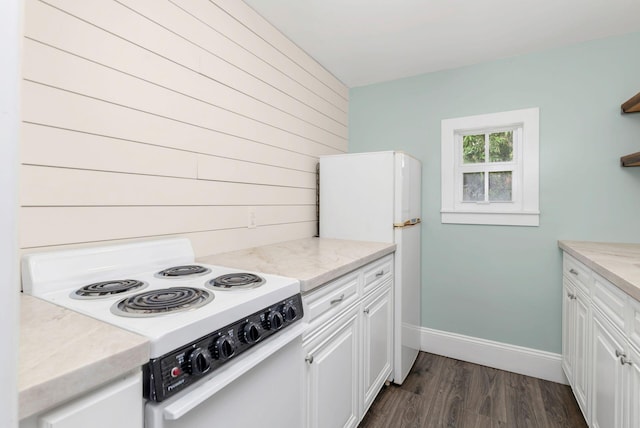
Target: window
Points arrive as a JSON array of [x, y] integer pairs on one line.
[[487, 164], [490, 169]]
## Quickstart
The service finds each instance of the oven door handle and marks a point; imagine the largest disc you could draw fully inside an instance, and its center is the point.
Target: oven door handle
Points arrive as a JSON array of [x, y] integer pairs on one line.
[[225, 375]]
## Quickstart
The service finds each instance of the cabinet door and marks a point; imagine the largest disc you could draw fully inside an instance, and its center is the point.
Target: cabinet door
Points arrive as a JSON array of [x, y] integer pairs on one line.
[[568, 328], [581, 336], [332, 375], [632, 378], [377, 342], [607, 374]]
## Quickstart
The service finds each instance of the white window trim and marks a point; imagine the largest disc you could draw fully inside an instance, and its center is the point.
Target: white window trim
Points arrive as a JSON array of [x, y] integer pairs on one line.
[[524, 210]]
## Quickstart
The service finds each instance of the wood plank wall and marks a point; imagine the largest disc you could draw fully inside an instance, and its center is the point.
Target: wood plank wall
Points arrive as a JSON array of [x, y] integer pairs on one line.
[[150, 118]]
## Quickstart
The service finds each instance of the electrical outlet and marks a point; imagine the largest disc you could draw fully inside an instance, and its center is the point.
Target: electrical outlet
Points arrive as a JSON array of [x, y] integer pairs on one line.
[[251, 218]]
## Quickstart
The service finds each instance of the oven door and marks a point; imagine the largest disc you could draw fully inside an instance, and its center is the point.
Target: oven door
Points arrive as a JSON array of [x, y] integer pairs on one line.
[[263, 387]]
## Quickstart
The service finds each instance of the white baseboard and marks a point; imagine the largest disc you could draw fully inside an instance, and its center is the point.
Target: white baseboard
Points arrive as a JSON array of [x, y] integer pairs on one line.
[[503, 356]]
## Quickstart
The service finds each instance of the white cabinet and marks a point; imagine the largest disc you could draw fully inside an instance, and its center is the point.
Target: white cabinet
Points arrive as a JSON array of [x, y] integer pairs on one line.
[[568, 328], [607, 374], [632, 389], [377, 343], [575, 341], [616, 377], [601, 347], [332, 394], [348, 345], [118, 404], [581, 351]]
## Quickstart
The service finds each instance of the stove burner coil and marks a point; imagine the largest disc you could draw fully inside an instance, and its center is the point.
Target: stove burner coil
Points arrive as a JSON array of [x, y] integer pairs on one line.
[[107, 288], [236, 281], [163, 301], [183, 271]]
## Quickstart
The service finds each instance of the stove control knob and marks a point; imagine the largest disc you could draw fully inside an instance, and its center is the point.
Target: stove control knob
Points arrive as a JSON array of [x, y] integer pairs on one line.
[[224, 348], [289, 311], [274, 320], [199, 361], [251, 332]]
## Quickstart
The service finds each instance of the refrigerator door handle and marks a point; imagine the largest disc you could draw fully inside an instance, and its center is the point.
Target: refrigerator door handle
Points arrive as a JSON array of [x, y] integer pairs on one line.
[[411, 222]]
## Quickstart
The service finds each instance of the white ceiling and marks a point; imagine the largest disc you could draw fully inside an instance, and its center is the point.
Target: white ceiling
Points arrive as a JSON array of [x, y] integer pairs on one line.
[[369, 41]]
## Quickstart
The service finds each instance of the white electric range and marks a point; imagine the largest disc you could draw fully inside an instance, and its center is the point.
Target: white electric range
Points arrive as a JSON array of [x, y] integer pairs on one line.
[[210, 327]]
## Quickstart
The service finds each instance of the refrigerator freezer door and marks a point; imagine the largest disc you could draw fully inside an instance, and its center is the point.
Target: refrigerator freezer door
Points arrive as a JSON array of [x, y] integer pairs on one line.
[[408, 177], [407, 291], [356, 196]]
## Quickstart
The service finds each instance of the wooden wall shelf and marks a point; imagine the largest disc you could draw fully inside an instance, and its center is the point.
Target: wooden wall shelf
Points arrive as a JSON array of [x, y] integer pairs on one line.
[[630, 160], [632, 105]]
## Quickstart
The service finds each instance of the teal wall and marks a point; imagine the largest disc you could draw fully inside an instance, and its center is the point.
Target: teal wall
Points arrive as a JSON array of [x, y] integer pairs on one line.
[[503, 283]]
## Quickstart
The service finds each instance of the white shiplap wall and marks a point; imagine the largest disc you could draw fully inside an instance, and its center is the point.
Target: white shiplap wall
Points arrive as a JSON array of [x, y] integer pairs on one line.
[[145, 118]]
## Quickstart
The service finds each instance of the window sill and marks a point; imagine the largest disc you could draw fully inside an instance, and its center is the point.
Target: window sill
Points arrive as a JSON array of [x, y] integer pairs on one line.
[[492, 218]]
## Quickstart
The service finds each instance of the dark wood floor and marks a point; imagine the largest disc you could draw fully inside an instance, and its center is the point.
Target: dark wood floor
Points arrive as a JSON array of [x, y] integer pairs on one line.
[[443, 392]]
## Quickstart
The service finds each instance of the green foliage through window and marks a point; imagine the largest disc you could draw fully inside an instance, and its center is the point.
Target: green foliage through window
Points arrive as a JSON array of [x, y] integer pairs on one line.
[[500, 147], [473, 148]]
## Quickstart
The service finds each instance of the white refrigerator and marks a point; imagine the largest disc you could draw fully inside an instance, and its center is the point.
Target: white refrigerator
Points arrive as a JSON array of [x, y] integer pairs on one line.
[[376, 197]]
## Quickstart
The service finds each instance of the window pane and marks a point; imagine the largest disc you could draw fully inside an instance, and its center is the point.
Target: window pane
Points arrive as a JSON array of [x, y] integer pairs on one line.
[[501, 146], [500, 186], [473, 186], [473, 148]]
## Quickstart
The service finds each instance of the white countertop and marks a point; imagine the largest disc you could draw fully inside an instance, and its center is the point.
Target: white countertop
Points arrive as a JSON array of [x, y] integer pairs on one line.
[[619, 263], [313, 261], [63, 354]]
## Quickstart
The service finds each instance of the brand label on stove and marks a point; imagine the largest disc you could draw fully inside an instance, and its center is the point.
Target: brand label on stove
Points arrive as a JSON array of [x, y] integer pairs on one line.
[[175, 385]]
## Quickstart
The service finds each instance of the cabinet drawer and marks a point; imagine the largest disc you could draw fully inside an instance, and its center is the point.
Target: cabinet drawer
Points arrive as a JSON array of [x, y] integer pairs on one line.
[[377, 272], [331, 298], [610, 300], [578, 273]]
